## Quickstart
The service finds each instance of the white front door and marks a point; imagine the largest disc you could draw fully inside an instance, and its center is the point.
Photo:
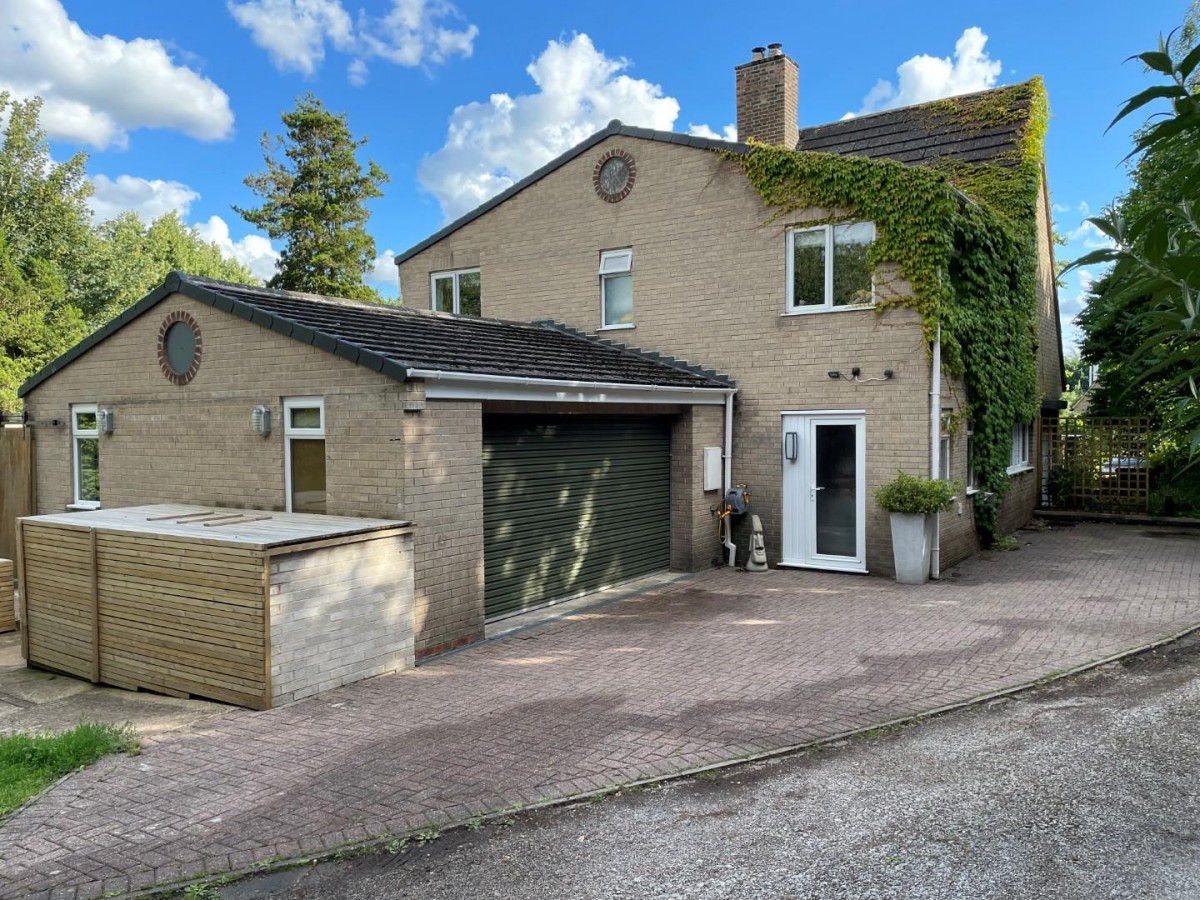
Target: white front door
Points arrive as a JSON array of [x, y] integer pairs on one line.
[[824, 502]]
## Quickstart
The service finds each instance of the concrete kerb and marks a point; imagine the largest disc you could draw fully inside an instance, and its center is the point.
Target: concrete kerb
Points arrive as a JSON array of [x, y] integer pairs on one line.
[[376, 844]]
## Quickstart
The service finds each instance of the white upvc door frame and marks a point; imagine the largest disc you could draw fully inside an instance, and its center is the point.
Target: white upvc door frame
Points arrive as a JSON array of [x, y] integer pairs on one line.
[[799, 490]]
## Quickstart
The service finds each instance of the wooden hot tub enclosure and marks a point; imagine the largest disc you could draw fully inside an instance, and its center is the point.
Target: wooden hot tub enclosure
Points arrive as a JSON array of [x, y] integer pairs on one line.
[[248, 607]]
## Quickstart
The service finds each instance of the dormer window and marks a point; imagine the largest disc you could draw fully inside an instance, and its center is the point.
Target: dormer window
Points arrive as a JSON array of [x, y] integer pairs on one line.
[[457, 292], [616, 289], [827, 267]]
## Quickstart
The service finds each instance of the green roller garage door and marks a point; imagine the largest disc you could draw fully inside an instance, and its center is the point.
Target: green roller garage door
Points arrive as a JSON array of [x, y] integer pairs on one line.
[[571, 504]]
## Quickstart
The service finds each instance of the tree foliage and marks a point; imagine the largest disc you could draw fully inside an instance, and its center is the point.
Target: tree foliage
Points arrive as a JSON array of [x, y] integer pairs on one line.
[[1143, 321], [60, 275], [314, 194]]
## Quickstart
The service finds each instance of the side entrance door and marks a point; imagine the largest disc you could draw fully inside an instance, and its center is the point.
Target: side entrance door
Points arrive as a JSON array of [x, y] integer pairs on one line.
[[824, 502]]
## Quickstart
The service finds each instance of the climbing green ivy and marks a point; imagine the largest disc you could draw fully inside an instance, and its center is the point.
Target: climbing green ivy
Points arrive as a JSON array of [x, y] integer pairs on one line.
[[964, 235]]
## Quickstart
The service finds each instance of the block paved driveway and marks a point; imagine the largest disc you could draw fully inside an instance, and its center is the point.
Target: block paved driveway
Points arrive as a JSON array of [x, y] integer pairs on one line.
[[712, 668]]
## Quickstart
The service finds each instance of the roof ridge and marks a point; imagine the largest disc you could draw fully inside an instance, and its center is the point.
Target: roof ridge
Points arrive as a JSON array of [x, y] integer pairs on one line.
[[651, 355]]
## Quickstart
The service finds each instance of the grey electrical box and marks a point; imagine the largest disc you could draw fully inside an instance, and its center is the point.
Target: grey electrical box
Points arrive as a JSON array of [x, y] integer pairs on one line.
[[712, 468]]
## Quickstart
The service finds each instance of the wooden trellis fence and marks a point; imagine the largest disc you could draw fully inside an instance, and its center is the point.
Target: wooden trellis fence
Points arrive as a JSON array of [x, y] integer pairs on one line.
[[1095, 463]]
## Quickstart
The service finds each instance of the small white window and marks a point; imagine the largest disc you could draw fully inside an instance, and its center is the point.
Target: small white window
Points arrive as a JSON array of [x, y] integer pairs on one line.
[[616, 289], [1018, 460], [304, 454], [944, 458], [827, 267], [85, 455], [457, 292]]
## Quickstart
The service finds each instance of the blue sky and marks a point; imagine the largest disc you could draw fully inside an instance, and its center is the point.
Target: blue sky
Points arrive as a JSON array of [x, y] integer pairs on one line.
[[458, 100]]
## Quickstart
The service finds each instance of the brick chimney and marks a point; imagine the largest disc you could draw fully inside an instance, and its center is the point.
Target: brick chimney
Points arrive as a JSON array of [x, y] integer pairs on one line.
[[768, 97]]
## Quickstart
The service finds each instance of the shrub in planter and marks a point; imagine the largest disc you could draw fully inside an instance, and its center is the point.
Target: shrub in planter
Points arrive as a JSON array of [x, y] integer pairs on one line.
[[916, 495], [913, 500]]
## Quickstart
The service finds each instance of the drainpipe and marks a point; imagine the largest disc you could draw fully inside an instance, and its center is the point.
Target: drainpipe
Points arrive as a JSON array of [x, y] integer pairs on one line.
[[730, 546], [935, 449]]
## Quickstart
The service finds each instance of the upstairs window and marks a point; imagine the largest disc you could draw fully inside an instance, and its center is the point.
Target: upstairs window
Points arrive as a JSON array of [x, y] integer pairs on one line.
[[457, 292], [827, 267], [85, 455], [616, 289], [1022, 437], [304, 460]]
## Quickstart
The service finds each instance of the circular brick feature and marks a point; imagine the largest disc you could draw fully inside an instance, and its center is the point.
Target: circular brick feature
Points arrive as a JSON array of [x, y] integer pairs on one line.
[[180, 347], [614, 175]]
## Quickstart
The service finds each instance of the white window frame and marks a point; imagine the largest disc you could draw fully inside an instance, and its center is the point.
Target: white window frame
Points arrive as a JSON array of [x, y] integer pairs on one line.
[[1022, 440], [291, 432], [790, 264], [618, 264], [971, 486], [456, 274], [945, 458], [76, 434]]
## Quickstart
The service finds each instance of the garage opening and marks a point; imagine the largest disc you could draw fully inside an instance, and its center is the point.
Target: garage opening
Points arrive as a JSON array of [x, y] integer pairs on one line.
[[572, 504]]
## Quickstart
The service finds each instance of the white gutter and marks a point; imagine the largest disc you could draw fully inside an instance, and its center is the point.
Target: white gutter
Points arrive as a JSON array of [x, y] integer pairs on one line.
[[935, 449], [730, 546], [442, 385]]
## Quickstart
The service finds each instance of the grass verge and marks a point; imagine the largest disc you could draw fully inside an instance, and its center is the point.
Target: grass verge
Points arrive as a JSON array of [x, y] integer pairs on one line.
[[30, 763]]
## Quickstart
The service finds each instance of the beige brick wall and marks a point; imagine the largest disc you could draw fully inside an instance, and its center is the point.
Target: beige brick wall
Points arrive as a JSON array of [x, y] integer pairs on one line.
[[711, 291], [194, 443], [694, 541], [444, 495], [340, 614]]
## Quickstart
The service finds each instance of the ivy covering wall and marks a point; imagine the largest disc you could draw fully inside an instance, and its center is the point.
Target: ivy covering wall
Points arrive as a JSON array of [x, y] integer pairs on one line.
[[965, 236]]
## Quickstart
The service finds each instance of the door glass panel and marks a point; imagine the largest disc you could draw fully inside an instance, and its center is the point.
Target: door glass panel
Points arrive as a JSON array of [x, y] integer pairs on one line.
[[308, 476], [836, 473]]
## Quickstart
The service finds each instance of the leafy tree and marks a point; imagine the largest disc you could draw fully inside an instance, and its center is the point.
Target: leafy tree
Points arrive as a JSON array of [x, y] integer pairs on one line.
[[314, 198], [130, 259], [1143, 324], [37, 323]]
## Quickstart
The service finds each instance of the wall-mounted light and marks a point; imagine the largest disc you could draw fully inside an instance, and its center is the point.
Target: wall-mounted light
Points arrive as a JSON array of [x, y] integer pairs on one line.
[[260, 420], [856, 375], [791, 446], [106, 421]]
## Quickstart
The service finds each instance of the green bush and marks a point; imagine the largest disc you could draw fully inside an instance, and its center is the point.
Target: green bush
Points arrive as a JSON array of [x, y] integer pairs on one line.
[[916, 494], [1174, 481]]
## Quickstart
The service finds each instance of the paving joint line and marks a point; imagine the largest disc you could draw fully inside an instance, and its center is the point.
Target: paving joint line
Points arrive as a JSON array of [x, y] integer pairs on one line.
[[372, 845]]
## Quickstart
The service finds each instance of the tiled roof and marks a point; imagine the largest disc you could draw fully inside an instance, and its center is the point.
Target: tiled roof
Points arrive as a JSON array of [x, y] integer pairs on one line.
[[396, 340], [915, 135], [926, 132]]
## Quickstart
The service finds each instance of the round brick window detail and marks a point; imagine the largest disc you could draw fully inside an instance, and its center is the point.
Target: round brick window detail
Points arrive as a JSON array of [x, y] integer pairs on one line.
[[180, 347], [614, 175]]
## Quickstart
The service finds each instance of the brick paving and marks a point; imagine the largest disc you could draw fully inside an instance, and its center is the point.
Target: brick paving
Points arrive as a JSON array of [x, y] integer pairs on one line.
[[709, 669]]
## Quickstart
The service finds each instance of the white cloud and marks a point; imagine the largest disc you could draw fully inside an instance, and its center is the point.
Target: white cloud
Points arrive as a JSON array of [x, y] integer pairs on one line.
[[253, 251], [382, 273], [728, 133], [295, 33], [489, 146], [925, 77], [97, 89], [149, 198]]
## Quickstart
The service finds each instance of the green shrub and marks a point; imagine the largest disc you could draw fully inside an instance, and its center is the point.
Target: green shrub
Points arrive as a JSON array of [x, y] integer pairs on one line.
[[916, 494]]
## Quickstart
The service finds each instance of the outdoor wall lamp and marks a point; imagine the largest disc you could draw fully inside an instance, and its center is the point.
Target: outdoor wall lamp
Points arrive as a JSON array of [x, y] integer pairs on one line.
[[856, 375]]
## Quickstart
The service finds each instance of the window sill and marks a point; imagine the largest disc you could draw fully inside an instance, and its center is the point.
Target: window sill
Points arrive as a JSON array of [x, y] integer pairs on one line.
[[972, 491], [817, 310], [623, 327], [82, 507], [1017, 470]]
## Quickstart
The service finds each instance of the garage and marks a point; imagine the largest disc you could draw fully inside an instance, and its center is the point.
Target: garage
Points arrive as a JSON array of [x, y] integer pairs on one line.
[[572, 504]]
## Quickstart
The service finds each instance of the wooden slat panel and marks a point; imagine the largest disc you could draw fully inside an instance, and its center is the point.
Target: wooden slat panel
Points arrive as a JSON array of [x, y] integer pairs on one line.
[[16, 474], [8, 620], [58, 603]]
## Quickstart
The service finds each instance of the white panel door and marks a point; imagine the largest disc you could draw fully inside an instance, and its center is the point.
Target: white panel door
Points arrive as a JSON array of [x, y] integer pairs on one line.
[[824, 502]]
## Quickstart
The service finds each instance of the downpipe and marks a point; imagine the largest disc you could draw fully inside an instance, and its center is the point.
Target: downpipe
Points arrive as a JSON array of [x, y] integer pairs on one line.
[[935, 450], [730, 546]]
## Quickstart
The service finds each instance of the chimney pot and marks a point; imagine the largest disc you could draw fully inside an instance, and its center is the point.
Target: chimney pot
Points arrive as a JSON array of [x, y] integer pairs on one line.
[[757, 53], [775, 49]]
